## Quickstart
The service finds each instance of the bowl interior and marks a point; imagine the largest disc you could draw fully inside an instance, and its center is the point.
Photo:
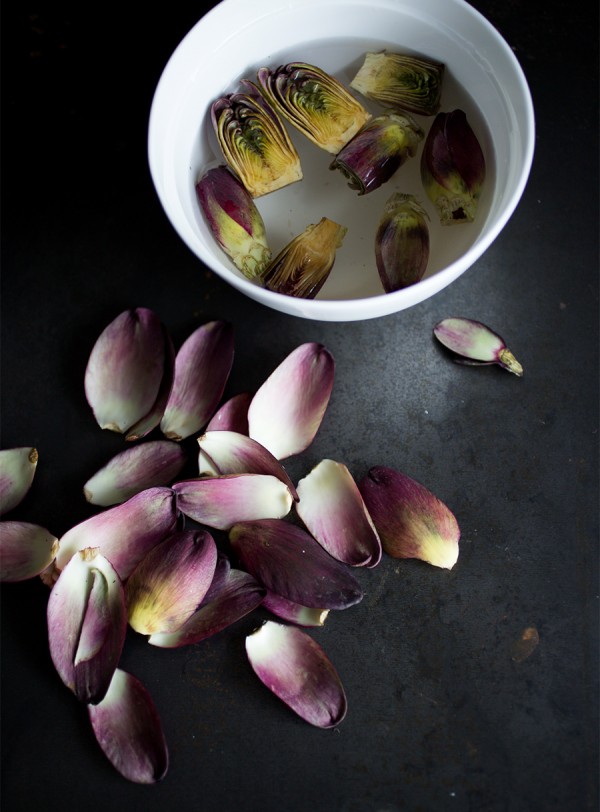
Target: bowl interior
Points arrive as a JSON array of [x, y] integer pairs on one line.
[[235, 38]]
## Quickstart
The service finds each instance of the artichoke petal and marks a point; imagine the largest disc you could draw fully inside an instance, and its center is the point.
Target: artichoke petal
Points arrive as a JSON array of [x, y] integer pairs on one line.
[[87, 624], [286, 411], [296, 669], [411, 521], [128, 729], [202, 368], [17, 470], [26, 550]]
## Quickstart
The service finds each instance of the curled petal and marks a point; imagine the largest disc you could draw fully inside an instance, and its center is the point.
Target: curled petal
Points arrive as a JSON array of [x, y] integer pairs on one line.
[[233, 415], [297, 670], [86, 624], [474, 343], [142, 466], [202, 367], [232, 595], [124, 533], [410, 520], [331, 507], [222, 501], [17, 469], [127, 727], [26, 550], [289, 562], [287, 410], [227, 452], [170, 581], [294, 612], [125, 372]]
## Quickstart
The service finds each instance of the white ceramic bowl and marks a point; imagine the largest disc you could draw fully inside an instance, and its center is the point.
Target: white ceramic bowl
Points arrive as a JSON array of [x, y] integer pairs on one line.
[[238, 36]]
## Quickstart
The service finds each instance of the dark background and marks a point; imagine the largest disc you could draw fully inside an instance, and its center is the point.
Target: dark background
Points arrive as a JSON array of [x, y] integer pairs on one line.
[[441, 717]]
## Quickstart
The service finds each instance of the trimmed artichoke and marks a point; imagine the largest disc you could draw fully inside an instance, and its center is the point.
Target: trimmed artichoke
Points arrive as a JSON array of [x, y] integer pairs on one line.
[[254, 141], [453, 168], [402, 243], [234, 220], [315, 103], [302, 267], [401, 81], [378, 150]]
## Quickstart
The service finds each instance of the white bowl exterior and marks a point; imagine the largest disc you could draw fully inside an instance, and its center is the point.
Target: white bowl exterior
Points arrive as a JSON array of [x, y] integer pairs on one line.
[[237, 35]]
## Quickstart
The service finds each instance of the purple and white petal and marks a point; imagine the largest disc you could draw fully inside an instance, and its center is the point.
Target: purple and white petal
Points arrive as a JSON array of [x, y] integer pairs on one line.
[[170, 581], [153, 417], [222, 501], [26, 550], [232, 415], [127, 727], [296, 669], [229, 452], [410, 520], [202, 367], [86, 624], [294, 612], [334, 512], [476, 343], [289, 562], [124, 533], [125, 369], [17, 469], [151, 464], [287, 410], [235, 595]]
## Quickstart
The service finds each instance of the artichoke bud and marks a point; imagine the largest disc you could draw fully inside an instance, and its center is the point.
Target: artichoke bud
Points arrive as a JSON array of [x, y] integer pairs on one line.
[[303, 266], [402, 243], [401, 81], [315, 103], [234, 220], [378, 150], [254, 141], [453, 168]]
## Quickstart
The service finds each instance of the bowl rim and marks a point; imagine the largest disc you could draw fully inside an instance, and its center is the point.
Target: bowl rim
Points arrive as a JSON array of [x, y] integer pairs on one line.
[[357, 308]]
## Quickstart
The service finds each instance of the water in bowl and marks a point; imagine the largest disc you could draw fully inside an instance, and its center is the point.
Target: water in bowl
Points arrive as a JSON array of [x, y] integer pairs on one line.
[[325, 193]]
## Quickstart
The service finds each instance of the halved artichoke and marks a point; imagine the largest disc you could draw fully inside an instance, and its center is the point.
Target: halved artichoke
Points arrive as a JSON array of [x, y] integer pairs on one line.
[[401, 81], [316, 103], [303, 266], [254, 141]]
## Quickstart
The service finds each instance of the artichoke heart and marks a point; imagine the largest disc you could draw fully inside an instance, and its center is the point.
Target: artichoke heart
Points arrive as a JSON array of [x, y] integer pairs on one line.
[[453, 168], [401, 81], [254, 141], [378, 150], [315, 103], [402, 243], [303, 266]]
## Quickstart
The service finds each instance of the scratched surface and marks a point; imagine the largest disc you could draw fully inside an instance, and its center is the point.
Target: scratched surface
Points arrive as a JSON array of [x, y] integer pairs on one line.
[[474, 689]]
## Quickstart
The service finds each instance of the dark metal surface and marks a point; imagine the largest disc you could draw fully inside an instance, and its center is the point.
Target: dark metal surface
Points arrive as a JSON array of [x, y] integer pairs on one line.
[[441, 717]]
